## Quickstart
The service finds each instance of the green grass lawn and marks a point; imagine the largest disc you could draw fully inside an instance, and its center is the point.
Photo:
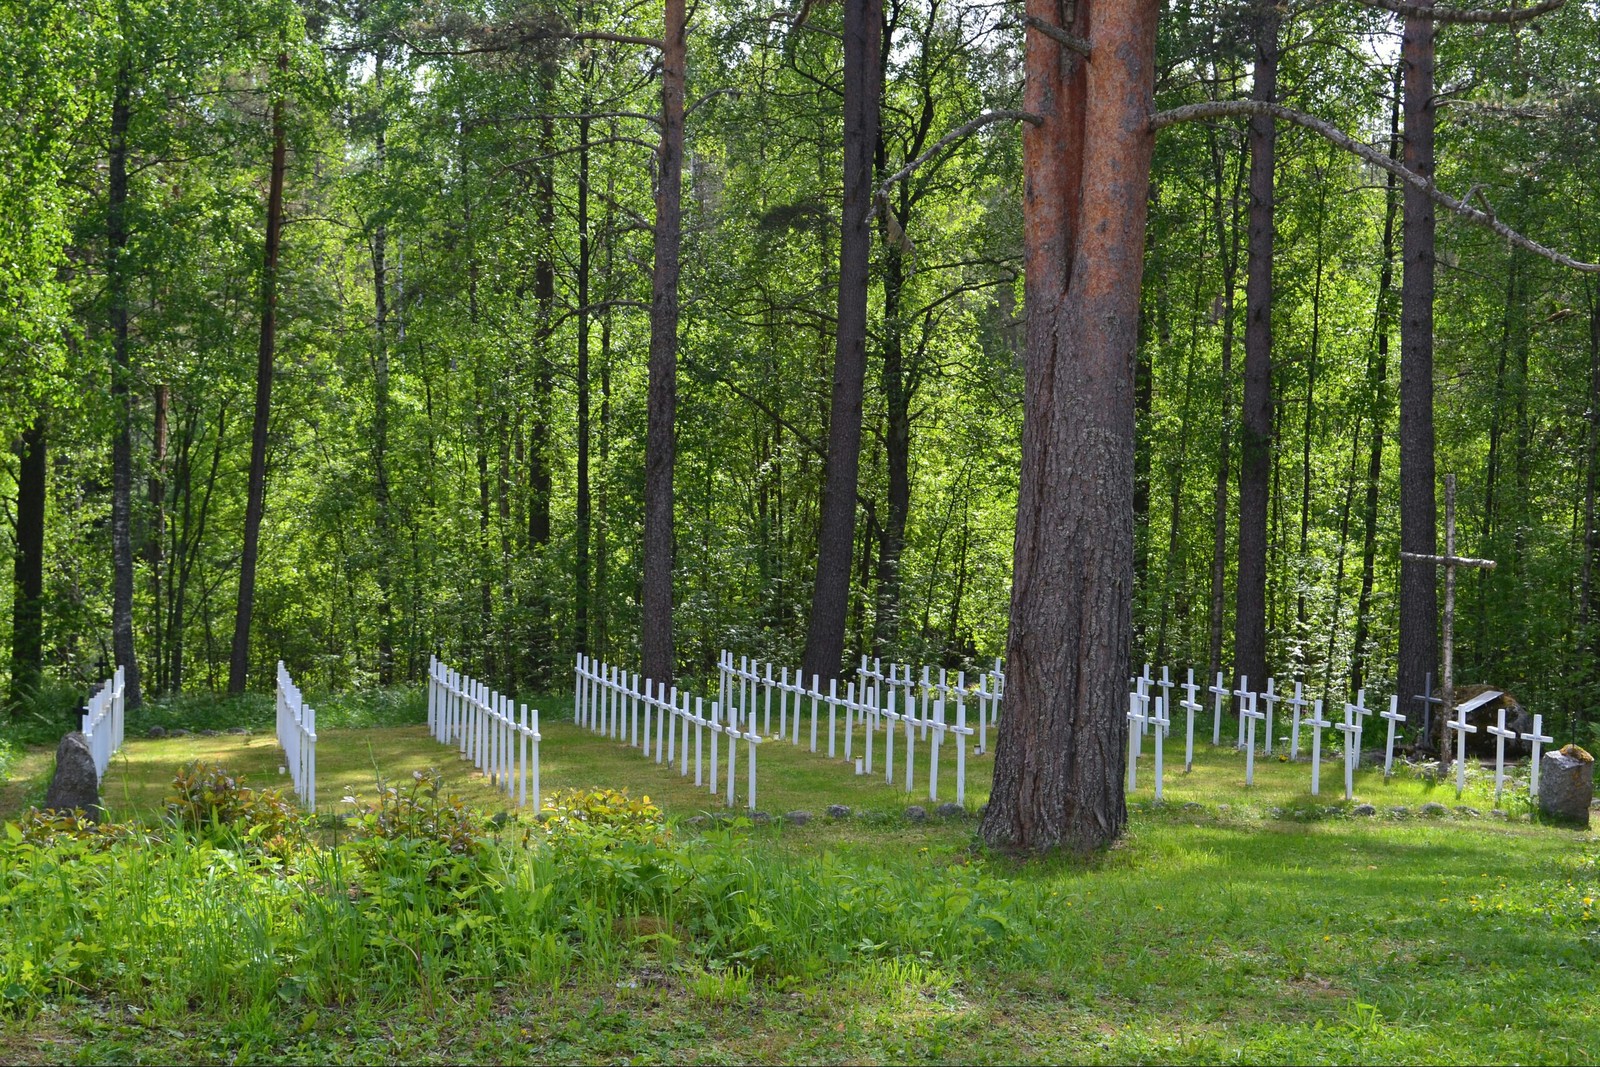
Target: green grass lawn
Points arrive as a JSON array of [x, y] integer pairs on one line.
[[1229, 926]]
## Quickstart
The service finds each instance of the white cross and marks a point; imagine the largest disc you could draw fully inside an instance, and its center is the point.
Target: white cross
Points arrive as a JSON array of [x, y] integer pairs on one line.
[[1190, 707], [1395, 718], [1160, 720], [1462, 728], [1352, 748], [1136, 718], [1166, 696], [1251, 715], [1244, 696], [1538, 739], [1270, 699], [1298, 703], [1500, 734], [1142, 691], [1221, 691], [1317, 724]]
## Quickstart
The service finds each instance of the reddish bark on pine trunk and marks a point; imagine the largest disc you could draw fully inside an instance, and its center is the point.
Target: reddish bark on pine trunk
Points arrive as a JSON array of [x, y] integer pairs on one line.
[[1058, 762]]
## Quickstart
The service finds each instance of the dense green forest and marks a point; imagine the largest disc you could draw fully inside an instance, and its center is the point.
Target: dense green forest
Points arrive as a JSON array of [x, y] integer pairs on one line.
[[462, 284]]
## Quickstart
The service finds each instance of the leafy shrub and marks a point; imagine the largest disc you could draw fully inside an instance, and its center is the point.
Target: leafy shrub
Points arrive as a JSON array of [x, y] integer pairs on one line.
[[420, 835], [604, 814], [206, 797], [38, 827]]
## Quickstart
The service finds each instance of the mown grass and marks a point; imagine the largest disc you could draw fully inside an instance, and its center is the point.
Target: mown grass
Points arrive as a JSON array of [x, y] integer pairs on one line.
[[1224, 932]]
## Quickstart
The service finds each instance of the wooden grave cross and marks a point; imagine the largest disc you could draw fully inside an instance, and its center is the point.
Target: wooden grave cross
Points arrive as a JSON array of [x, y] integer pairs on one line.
[[1500, 734], [1317, 724], [1428, 701], [1166, 684], [1251, 715], [1462, 728], [1190, 706], [1395, 718], [1136, 717], [1221, 692], [1298, 703], [1450, 561], [1160, 720], [1538, 738], [1270, 699], [1352, 748], [1243, 693], [1145, 680]]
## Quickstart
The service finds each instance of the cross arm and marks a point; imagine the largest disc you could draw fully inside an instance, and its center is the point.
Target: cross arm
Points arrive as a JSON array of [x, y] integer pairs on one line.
[[1448, 561]]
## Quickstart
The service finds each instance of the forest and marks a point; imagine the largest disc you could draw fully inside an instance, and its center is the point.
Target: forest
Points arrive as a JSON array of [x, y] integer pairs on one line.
[[350, 333]]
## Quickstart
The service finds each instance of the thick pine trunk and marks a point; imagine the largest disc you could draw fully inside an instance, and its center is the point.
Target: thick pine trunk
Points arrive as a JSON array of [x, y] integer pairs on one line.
[[1255, 424], [27, 594], [830, 598], [255, 500], [1059, 757], [1419, 601], [121, 391], [661, 434], [1228, 248]]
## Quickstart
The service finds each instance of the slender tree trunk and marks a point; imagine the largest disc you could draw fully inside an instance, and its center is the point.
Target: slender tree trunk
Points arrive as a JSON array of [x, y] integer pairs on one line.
[[1228, 246], [27, 595], [897, 455], [239, 661], [583, 517], [661, 435], [1059, 757], [380, 408], [122, 644], [1419, 601], [830, 599], [1590, 607], [1307, 431], [1255, 424], [154, 542], [1377, 378], [1175, 556]]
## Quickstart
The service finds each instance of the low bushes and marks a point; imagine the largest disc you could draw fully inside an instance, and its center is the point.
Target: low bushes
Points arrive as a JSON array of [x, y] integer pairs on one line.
[[236, 901]]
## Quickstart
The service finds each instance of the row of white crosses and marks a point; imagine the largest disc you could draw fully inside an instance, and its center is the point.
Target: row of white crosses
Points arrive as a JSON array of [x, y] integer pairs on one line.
[[888, 699], [622, 705], [297, 735], [1142, 718], [487, 729], [103, 722]]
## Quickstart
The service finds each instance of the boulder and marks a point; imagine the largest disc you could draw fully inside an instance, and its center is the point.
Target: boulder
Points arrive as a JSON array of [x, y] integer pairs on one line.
[[760, 818], [180, 732], [950, 810], [1566, 784], [916, 813], [156, 732], [838, 811], [797, 818], [1433, 809], [238, 731], [1363, 809], [1482, 743], [210, 733], [75, 784]]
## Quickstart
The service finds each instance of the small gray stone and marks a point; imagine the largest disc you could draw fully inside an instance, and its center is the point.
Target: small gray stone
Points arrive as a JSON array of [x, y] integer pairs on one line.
[[156, 732], [1433, 809], [1566, 784], [1400, 812], [950, 811], [838, 811], [1275, 813], [797, 818], [696, 821], [1468, 813], [1363, 809], [916, 813], [760, 818], [75, 783], [179, 732], [210, 733], [1191, 805], [238, 731], [1499, 813]]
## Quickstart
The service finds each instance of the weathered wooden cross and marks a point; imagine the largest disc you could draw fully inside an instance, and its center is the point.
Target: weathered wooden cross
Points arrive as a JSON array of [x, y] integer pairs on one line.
[[1449, 561]]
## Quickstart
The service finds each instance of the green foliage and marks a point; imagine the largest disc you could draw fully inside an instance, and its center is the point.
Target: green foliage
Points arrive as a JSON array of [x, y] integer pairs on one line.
[[602, 813], [209, 799]]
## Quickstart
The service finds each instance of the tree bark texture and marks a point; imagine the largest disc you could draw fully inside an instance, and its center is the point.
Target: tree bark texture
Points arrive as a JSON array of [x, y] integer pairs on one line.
[[239, 661], [1058, 761], [661, 435], [830, 598], [1419, 601], [27, 594], [121, 391], [1255, 424]]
